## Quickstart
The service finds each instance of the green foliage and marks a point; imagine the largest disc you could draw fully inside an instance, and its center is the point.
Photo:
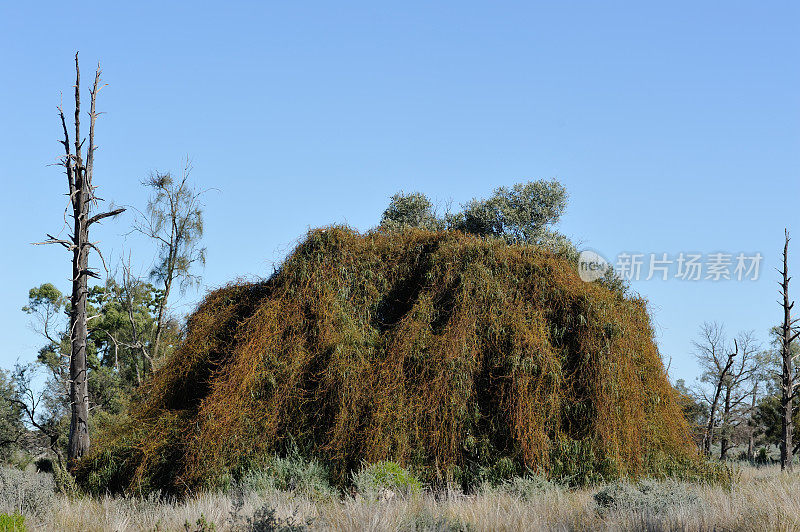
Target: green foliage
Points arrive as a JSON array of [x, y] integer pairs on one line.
[[519, 214], [524, 213], [201, 525], [12, 523], [703, 471], [11, 427], [119, 338], [175, 220], [25, 492], [294, 474], [529, 487], [646, 496], [410, 210], [372, 480]]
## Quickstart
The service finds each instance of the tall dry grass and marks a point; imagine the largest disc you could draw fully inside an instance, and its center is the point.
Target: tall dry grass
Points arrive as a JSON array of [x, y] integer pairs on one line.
[[760, 499]]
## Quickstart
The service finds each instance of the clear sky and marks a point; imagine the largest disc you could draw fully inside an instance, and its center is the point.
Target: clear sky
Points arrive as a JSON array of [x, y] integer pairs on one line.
[[674, 126]]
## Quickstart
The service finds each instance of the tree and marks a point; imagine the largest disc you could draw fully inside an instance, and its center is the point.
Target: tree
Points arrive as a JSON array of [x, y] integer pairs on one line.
[[123, 318], [710, 351], [410, 210], [174, 219], [788, 334], [125, 328], [736, 389], [523, 213], [82, 201], [12, 431]]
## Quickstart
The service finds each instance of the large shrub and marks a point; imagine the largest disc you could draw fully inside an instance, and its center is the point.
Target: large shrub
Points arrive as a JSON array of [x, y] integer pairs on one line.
[[440, 351]]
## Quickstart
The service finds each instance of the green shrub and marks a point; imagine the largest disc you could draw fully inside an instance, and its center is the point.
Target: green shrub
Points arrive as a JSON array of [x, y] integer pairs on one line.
[[293, 474], [25, 492], [374, 480], [662, 467], [12, 523], [649, 497], [528, 487], [201, 525]]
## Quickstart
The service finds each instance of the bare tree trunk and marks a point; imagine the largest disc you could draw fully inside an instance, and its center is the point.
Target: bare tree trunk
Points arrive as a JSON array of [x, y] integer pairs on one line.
[[79, 391], [709, 438], [724, 442], [82, 199], [751, 440], [787, 376], [162, 307]]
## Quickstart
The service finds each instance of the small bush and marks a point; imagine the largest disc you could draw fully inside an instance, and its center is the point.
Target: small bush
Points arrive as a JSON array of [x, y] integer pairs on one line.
[[264, 520], [25, 492], [201, 525], [12, 523], [426, 521], [647, 496], [293, 474], [385, 478], [528, 487]]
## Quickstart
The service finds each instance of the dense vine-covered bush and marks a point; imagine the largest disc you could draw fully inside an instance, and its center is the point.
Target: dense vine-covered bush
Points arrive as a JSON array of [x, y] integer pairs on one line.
[[459, 357]]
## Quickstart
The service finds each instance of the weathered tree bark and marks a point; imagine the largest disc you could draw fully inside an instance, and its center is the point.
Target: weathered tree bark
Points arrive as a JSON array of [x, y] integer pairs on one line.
[[724, 441], [82, 200], [787, 375]]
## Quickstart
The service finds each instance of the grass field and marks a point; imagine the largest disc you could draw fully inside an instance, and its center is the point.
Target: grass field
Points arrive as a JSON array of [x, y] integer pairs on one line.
[[759, 499]]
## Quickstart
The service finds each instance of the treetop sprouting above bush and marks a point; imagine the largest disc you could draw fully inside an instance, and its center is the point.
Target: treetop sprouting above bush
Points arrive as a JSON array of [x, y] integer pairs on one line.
[[525, 212]]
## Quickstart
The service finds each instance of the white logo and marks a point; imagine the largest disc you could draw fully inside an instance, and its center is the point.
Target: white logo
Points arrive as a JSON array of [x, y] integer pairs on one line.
[[592, 266]]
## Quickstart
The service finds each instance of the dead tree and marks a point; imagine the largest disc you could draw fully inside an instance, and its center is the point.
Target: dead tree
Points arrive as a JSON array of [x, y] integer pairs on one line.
[[82, 201], [788, 335]]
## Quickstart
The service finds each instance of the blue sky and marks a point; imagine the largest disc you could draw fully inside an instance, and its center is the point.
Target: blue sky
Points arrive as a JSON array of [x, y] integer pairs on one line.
[[674, 126]]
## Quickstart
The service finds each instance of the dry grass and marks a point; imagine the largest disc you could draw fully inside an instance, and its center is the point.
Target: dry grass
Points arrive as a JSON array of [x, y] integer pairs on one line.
[[761, 499]]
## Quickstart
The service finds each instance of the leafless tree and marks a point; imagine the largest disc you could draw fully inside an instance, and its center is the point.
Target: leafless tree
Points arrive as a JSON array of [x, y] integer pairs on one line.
[[82, 202], [174, 219], [716, 364], [788, 334], [736, 388], [29, 402]]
